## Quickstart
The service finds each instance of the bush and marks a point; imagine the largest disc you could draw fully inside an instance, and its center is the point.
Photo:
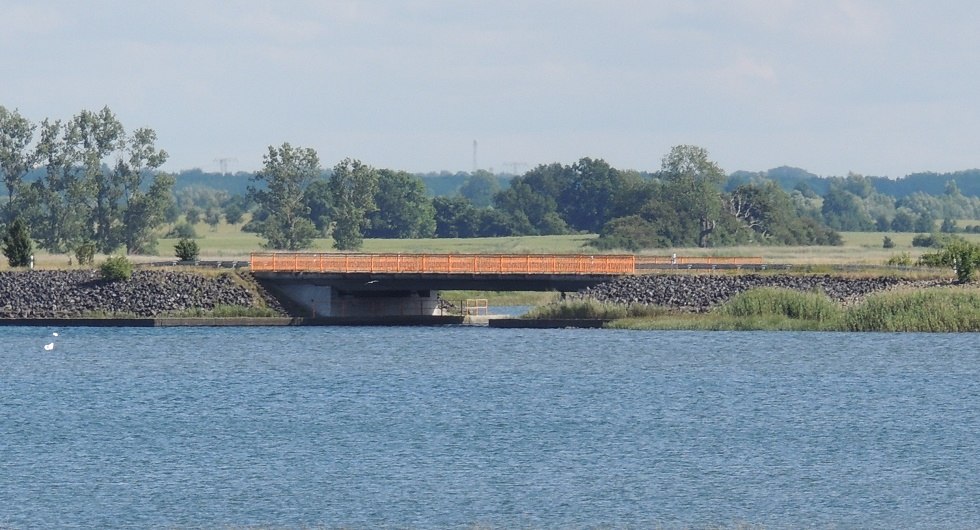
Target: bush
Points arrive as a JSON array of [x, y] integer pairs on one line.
[[17, 245], [901, 260], [85, 253], [924, 240], [962, 256], [116, 268], [187, 250], [887, 243], [183, 231]]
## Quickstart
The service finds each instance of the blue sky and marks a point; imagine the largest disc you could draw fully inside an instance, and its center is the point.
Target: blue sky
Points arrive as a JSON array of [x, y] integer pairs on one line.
[[877, 87]]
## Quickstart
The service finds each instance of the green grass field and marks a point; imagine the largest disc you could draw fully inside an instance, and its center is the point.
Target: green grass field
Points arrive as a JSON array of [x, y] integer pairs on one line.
[[228, 242]]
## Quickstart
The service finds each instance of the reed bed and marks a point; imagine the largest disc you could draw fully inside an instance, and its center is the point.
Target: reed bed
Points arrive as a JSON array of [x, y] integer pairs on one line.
[[929, 310], [592, 309], [939, 310]]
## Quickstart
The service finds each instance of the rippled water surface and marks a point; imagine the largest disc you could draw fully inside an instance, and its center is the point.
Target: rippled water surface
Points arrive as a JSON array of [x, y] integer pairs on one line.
[[456, 427]]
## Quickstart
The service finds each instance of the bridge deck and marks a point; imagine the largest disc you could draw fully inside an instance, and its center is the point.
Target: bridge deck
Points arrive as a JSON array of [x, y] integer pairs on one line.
[[525, 264]]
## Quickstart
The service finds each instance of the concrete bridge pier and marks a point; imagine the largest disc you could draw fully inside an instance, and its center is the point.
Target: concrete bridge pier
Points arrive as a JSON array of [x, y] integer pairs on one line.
[[326, 301]]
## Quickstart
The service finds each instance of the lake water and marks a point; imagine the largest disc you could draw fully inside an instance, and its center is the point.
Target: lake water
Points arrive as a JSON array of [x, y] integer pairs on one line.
[[458, 427]]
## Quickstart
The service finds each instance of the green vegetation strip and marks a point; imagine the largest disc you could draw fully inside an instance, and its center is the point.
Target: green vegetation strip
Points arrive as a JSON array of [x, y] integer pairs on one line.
[[944, 310]]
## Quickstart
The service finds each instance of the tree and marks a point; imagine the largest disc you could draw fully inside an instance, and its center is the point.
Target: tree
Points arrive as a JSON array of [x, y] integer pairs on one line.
[[843, 210], [534, 211], [287, 171], [479, 188], [693, 183], [92, 137], [143, 210], [17, 245], [317, 198], [903, 221], [16, 159], [455, 217], [925, 222], [353, 186], [592, 193], [402, 209]]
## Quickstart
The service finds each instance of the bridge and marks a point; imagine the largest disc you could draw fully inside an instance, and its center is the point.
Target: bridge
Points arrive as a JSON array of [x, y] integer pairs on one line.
[[335, 285]]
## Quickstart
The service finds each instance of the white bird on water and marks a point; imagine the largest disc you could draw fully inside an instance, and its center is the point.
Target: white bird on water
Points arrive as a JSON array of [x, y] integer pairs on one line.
[[49, 346]]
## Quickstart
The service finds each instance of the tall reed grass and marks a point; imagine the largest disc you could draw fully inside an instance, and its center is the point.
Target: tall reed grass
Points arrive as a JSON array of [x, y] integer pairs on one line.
[[928, 310], [773, 301], [592, 309]]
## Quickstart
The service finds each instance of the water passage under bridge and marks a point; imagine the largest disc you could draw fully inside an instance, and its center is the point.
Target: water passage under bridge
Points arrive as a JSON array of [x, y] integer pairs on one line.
[[378, 285], [382, 285]]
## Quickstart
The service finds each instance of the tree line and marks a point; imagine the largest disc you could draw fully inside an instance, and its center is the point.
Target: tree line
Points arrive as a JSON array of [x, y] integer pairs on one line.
[[684, 204], [99, 188], [85, 183]]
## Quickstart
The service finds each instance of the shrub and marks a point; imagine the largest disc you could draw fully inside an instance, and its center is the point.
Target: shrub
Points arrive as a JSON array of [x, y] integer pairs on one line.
[[85, 253], [116, 268], [925, 240], [887, 243], [183, 230], [902, 260], [962, 256], [186, 249], [17, 245]]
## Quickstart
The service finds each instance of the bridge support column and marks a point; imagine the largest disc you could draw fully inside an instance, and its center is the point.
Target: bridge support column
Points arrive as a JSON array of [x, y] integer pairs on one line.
[[315, 299], [325, 301]]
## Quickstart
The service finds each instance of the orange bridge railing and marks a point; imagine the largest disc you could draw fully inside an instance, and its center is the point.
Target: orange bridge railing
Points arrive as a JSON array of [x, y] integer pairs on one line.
[[443, 263]]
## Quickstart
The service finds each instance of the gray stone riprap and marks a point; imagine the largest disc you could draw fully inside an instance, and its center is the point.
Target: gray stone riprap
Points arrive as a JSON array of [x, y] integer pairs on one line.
[[69, 294], [695, 292]]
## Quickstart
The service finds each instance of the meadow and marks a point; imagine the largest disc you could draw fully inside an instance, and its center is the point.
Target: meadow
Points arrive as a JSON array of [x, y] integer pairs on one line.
[[228, 242]]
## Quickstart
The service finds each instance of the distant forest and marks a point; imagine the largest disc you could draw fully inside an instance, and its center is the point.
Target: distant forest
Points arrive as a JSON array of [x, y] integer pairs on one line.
[[448, 184]]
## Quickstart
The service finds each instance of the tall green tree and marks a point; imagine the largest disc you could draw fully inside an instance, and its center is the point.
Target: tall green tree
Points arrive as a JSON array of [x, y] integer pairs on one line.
[[16, 159], [144, 210], [402, 209], [843, 210], [318, 199], [286, 172], [57, 207], [592, 193], [92, 137], [480, 187], [17, 245], [456, 217], [353, 186], [693, 183]]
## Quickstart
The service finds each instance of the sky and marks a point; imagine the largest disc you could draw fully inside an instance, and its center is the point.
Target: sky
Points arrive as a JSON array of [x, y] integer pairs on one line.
[[876, 87]]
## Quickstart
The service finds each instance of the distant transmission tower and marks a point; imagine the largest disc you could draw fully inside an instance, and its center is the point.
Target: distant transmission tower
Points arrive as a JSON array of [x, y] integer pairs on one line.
[[223, 164], [515, 166]]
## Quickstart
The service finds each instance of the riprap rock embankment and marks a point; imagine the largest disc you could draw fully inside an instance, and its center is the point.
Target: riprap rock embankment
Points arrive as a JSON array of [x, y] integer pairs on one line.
[[70, 294], [697, 292]]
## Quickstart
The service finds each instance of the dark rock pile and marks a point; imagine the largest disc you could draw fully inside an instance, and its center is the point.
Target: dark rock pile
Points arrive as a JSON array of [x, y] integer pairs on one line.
[[701, 292], [67, 294]]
